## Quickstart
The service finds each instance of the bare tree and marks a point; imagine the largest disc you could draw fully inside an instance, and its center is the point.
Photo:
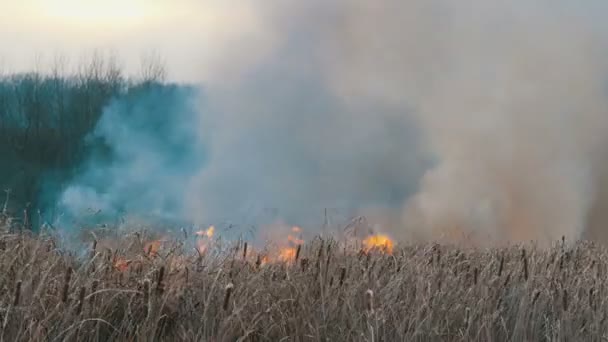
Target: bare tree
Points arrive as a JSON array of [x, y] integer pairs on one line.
[[152, 68]]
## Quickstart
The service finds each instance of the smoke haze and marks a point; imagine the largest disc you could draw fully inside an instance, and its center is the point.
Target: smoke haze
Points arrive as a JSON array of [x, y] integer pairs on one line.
[[435, 118]]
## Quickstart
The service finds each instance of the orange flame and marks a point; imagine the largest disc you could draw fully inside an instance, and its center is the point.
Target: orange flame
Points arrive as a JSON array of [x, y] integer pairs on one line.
[[151, 248], [294, 240], [287, 254], [206, 233], [204, 236], [265, 259], [122, 264], [378, 242], [201, 246]]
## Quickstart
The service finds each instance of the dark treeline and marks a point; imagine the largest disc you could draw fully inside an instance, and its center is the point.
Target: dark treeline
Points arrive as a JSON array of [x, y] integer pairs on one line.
[[44, 120]]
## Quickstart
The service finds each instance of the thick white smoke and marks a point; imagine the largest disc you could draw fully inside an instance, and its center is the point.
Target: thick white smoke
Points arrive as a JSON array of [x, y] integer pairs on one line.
[[508, 97], [436, 118]]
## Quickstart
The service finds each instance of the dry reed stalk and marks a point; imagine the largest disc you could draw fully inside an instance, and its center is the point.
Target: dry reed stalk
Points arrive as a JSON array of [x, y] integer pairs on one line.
[[577, 256], [502, 264], [94, 286], [231, 272], [389, 321], [66, 285], [297, 253], [475, 275], [17, 296], [439, 280], [369, 301], [327, 262], [26, 221], [209, 296], [228, 291], [93, 248], [147, 303], [81, 296], [370, 270], [304, 264], [109, 262], [12, 273], [524, 260], [318, 262], [551, 260], [535, 296], [159, 280], [438, 254], [360, 254], [258, 262], [506, 283], [50, 246]]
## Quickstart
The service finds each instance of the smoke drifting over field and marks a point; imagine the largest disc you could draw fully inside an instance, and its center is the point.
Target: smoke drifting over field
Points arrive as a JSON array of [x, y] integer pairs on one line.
[[433, 117], [142, 151]]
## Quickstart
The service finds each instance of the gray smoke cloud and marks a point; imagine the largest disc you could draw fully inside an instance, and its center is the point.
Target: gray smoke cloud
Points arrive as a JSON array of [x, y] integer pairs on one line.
[[141, 154], [512, 99], [438, 119]]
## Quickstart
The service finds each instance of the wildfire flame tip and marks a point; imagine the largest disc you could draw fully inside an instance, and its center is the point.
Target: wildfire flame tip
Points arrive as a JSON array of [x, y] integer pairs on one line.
[[378, 242]]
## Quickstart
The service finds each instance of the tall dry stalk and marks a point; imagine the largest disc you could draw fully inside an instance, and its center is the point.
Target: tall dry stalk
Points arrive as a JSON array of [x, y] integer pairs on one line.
[[399, 297]]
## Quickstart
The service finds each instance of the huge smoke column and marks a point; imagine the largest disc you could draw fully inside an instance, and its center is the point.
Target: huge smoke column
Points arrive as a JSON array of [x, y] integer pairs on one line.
[[437, 118], [270, 141], [512, 98], [283, 145], [509, 97]]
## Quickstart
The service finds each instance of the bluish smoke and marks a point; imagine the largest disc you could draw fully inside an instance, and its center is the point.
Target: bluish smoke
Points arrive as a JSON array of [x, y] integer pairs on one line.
[[141, 154], [277, 147], [480, 118], [456, 118], [275, 144], [284, 147]]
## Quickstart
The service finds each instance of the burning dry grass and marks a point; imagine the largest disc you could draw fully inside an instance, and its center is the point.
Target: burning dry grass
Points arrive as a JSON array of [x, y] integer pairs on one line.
[[324, 292]]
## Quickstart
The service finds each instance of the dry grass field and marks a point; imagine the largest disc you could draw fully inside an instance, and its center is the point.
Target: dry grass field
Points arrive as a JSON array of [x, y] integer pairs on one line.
[[135, 288]]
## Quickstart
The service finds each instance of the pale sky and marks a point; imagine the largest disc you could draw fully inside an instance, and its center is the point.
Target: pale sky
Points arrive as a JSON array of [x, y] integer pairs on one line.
[[189, 34]]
